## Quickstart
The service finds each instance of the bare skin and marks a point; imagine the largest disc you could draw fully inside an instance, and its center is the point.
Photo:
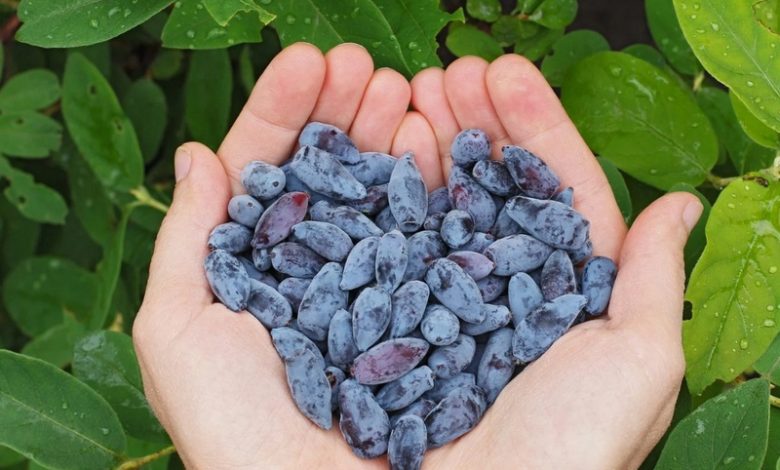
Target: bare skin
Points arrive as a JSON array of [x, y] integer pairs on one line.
[[600, 398]]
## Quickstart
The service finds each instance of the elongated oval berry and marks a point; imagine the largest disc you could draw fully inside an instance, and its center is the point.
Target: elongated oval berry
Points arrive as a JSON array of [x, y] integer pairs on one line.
[[505, 225], [497, 364], [558, 276], [556, 224], [268, 305], [407, 194], [293, 289], [386, 221], [296, 185], [517, 253], [455, 289], [408, 442], [331, 139], [261, 258], [537, 331], [392, 257], [565, 196], [335, 377], [479, 242], [263, 181], [290, 343], [419, 408], [434, 221], [467, 195], [389, 360], [228, 279], [372, 168], [310, 388], [530, 173], [439, 326], [321, 171], [363, 423], [277, 221], [231, 237], [355, 224], [494, 177], [439, 201], [320, 302], [325, 239], [598, 276], [408, 303], [406, 389], [294, 259], [245, 210], [476, 265], [496, 316], [447, 361], [260, 276], [443, 387], [457, 228], [423, 247], [455, 415], [582, 253], [491, 287], [370, 316], [341, 341], [374, 202], [524, 297], [469, 147], [360, 267]]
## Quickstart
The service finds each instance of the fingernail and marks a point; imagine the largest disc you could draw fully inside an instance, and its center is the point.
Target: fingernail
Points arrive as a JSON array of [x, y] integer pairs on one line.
[[691, 214], [181, 163]]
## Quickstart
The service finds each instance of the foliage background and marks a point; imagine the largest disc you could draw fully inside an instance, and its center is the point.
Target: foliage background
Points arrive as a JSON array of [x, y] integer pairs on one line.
[[95, 96]]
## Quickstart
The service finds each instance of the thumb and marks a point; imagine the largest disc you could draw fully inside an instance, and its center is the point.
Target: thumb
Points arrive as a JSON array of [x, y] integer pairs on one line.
[[651, 279], [177, 286]]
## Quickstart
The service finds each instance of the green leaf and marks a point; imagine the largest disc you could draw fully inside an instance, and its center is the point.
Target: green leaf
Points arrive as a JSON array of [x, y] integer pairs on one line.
[[774, 440], [737, 50], [100, 129], [33, 200], [400, 35], [246, 70], [145, 105], [464, 40], [190, 26], [554, 14], [619, 188], [769, 362], [208, 90], [223, 11], [29, 91], [768, 14], [509, 29], [636, 116], [9, 457], [55, 345], [105, 361], [166, 64], [485, 10], [728, 431], [668, 36], [56, 23], [647, 53], [570, 49], [29, 134], [744, 154], [755, 129], [137, 448], [19, 243], [537, 46], [40, 291], [735, 286], [98, 54], [697, 239], [54, 419]]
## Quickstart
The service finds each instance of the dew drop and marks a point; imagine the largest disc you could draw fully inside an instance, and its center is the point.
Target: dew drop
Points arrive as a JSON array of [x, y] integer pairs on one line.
[[412, 45], [307, 20], [743, 343], [770, 308], [104, 431], [615, 71], [728, 460], [190, 34], [769, 323], [290, 19], [772, 269], [715, 26], [94, 23], [731, 205], [113, 11], [749, 83]]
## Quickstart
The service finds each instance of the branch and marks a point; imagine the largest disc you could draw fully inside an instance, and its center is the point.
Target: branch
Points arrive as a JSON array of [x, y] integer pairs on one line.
[[141, 461]]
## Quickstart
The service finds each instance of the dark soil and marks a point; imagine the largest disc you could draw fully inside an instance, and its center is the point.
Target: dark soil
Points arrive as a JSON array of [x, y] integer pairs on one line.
[[622, 22]]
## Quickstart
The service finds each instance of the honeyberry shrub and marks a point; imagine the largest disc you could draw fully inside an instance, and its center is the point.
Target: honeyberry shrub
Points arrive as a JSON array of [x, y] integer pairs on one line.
[[96, 95]]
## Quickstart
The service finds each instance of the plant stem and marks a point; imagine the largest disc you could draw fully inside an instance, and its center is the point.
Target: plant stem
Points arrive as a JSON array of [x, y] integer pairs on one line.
[[142, 195], [721, 182], [697, 81], [774, 401], [140, 461]]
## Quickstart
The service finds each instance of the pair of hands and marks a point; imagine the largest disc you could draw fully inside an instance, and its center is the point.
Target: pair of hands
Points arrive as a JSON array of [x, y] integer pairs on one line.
[[601, 397]]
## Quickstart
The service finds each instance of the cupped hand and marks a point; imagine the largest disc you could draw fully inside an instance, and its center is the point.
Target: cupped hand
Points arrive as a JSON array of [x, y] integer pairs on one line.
[[601, 397]]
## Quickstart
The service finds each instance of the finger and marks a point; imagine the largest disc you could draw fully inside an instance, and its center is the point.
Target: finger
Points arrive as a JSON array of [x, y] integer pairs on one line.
[[177, 285], [534, 118], [430, 99], [464, 82], [384, 105], [347, 72], [651, 263], [279, 106], [415, 134]]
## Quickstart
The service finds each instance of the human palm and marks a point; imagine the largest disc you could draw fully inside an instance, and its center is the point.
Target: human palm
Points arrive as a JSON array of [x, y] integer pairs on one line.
[[601, 397]]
